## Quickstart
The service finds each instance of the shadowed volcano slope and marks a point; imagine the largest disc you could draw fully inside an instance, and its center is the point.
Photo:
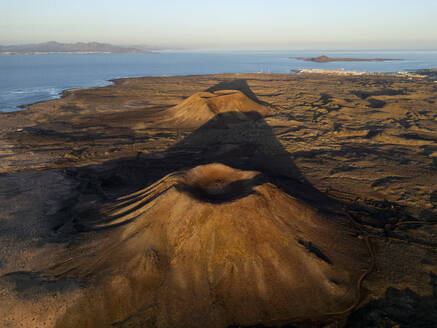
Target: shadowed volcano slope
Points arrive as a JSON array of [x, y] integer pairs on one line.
[[245, 142], [211, 247], [203, 106]]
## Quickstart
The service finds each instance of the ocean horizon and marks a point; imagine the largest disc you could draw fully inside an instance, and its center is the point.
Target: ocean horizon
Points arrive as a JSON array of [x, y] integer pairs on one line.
[[26, 79]]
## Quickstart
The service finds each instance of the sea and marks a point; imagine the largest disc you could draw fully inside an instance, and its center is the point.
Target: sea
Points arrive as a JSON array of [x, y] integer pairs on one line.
[[26, 79]]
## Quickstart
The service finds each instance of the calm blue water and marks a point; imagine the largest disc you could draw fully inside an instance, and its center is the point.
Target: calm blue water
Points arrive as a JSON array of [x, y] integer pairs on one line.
[[26, 79]]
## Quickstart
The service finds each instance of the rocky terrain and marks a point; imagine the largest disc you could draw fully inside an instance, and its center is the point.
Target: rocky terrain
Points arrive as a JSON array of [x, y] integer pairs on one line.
[[267, 200]]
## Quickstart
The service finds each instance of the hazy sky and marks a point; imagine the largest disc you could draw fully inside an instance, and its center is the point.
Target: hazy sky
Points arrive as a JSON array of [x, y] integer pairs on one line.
[[224, 24]]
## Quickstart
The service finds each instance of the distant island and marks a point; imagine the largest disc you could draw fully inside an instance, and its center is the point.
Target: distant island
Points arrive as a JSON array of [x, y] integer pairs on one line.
[[326, 59], [54, 47]]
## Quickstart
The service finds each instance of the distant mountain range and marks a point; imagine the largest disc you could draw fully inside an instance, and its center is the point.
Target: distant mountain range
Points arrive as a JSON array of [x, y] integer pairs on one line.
[[56, 47]]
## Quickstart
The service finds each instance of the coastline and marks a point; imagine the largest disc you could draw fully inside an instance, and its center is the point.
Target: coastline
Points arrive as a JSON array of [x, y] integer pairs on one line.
[[419, 74], [78, 105], [63, 93], [63, 72], [358, 73], [56, 52], [71, 53]]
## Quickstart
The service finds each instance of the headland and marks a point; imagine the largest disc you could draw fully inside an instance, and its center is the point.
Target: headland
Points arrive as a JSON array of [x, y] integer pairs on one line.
[[326, 59]]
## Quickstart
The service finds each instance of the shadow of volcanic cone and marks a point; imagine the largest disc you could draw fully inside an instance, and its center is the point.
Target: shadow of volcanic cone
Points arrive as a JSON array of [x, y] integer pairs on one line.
[[224, 231]]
